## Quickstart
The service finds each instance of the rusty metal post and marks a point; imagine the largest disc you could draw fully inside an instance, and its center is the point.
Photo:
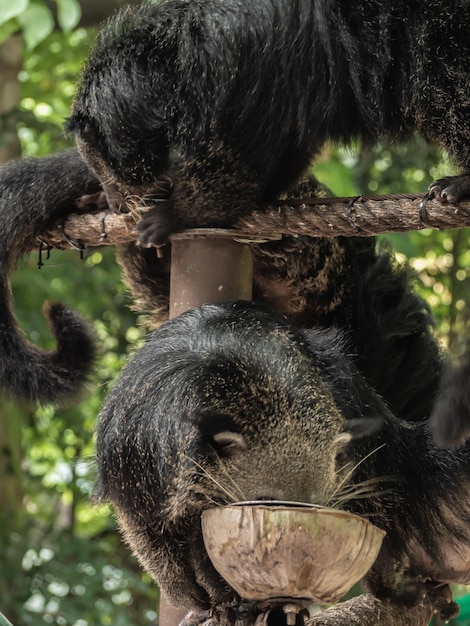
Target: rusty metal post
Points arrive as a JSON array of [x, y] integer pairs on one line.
[[208, 266]]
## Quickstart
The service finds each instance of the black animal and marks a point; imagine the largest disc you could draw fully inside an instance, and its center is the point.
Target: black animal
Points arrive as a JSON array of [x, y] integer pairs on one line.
[[346, 283], [232, 402], [337, 281], [33, 192], [203, 110]]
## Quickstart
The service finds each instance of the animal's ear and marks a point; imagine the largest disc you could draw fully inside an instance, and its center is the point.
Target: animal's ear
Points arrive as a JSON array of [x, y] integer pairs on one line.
[[222, 434], [229, 443], [357, 428]]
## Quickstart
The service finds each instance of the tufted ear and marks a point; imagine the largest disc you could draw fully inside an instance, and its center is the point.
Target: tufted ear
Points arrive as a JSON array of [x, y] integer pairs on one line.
[[357, 428], [229, 443], [222, 434]]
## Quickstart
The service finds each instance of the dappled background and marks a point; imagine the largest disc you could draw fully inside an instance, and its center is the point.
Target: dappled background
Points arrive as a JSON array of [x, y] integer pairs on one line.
[[61, 560]]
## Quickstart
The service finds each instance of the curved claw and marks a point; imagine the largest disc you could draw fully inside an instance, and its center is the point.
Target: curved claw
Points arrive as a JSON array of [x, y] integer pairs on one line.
[[450, 188], [423, 213]]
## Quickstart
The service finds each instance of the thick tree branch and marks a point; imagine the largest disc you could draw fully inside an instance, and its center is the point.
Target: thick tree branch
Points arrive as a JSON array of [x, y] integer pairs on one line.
[[317, 218]]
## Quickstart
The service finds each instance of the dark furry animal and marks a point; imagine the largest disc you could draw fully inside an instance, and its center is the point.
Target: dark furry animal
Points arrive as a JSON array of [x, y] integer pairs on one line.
[[203, 110], [351, 283], [232, 402], [335, 281], [346, 283], [34, 192]]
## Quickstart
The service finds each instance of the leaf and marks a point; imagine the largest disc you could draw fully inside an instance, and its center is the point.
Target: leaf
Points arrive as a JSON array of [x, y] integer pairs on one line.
[[11, 8], [68, 14], [7, 29], [336, 176], [36, 23]]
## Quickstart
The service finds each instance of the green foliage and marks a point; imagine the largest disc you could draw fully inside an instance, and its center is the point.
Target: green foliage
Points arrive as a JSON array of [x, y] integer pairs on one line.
[[61, 559], [67, 565], [9, 10], [47, 95], [35, 20], [441, 260]]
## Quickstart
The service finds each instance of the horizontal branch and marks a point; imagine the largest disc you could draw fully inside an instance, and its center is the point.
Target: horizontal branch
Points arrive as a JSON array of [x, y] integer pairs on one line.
[[323, 217]]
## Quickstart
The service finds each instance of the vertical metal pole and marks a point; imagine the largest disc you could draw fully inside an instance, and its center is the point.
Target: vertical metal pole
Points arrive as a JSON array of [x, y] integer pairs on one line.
[[207, 266]]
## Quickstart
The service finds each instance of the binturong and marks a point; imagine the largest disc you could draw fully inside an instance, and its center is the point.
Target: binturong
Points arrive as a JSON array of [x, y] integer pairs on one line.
[[203, 110], [232, 402], [33, 194]]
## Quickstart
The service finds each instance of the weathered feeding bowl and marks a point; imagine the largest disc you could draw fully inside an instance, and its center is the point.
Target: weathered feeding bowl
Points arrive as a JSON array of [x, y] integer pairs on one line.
[[285, 551]]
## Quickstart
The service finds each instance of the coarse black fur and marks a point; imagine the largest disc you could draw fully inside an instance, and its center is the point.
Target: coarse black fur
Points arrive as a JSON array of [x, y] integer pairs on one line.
[[33, 194], [232, 402], [207, 109], [353, 284]]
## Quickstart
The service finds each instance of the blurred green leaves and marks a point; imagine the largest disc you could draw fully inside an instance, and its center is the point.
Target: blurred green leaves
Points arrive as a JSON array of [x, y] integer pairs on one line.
[[34, 19], [441, 260], [61, 559]]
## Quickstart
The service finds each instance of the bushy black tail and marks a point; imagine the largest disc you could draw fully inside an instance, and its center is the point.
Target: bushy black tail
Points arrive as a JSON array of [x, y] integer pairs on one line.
[[33, 192]]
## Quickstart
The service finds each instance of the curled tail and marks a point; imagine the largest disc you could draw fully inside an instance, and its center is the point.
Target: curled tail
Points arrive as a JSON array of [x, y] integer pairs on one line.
[[33, 192]]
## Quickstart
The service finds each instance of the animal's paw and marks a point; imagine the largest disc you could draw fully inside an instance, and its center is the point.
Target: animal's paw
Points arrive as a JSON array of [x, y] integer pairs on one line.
[[91, 203], [155, 226], [441, 598], [410, 592], [450, 188], [236, 613]]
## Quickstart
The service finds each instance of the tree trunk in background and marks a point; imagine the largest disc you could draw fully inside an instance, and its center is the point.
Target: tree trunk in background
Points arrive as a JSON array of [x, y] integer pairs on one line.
[[11, 482], [11, 418], [10, 429], [10, 65]]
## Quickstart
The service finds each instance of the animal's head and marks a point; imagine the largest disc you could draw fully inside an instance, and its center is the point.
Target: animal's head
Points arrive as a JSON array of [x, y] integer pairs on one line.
[[225, 403], [230, 402]]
